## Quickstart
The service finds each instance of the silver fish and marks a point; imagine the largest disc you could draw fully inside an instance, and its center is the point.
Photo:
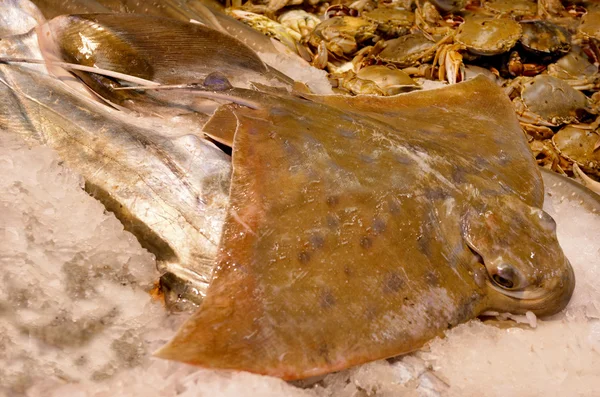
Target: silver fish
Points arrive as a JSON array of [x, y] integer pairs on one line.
[[167, 184]]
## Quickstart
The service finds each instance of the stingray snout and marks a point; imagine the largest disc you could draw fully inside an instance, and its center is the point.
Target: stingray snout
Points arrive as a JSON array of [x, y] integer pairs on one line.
[[549, 297]]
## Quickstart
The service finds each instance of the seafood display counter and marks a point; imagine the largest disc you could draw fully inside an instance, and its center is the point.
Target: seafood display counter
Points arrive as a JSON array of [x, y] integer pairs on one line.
[[270, 199]]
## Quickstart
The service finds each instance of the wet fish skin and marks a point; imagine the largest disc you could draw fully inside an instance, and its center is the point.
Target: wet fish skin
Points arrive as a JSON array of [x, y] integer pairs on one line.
[[207, 12], [166, 183], [162, 50]]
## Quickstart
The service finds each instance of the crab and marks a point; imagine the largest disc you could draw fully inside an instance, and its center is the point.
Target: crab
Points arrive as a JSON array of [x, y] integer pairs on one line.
[[482, 36], [300, 22], [550, 9], [576, 70], [516, 66], [545, 39], [547, 101], [342, 35], [585, 180], [449, 5], [376, 80], [405, 51], [449, 61], [391, 22], [268, 27], [581, 146], [588, 33], [412, 52], [590, 24], [271, 7], [513, 8], [349, 82], [546, 156], [488, 36], [429, 20]]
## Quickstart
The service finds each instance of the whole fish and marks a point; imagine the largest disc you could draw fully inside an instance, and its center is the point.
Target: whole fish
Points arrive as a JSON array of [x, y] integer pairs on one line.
[[362, 230]]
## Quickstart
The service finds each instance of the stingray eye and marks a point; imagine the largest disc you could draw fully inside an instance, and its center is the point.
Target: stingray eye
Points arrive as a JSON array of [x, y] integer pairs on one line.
[[505, 277], [502, 282]]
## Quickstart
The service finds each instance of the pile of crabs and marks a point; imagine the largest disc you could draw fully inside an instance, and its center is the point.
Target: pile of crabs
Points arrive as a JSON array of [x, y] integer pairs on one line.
[[544, 53]]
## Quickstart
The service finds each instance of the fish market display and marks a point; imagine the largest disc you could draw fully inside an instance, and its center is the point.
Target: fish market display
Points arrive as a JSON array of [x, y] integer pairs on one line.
[[341, 229], [357, 236]]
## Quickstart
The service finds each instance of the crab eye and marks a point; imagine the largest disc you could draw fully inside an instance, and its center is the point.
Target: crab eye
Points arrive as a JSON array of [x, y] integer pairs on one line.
[[502, 282], [505, 276]]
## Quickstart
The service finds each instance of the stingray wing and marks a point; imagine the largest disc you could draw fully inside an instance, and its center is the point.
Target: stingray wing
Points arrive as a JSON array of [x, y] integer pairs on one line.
[[474, 121]]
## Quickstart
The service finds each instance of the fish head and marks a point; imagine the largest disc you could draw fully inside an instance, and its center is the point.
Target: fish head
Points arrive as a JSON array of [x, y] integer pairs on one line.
[[526, 267]]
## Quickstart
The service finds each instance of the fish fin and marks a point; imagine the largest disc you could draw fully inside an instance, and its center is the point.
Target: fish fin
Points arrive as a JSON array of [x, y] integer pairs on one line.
[[300, 88], [222, 125], [239, 96], [83, 68], [448, 114]]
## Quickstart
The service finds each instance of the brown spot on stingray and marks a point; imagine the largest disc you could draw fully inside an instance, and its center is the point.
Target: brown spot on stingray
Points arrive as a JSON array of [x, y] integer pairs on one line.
[[304, 257], [503, 159], [432, 279], [366, 242], [436, 194], [424, 243], [378, 226], [400, 159], [366, 158], [465, 309], [332, 221], [279, 111], [370, 312], [347, 133], [332, 201], [480, 162], [327, 300], [317, 241], [392, 283], [458, 175], [394, 206]]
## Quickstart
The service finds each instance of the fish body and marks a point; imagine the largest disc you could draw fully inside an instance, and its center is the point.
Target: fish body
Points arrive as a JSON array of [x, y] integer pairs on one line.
[[353, 236]]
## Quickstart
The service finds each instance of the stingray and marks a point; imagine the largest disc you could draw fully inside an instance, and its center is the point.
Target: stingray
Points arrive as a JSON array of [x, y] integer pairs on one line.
[[360, 228]]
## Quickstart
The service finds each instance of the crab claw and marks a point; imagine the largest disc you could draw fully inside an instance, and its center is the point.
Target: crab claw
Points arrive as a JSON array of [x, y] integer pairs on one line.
[[586, 180]]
